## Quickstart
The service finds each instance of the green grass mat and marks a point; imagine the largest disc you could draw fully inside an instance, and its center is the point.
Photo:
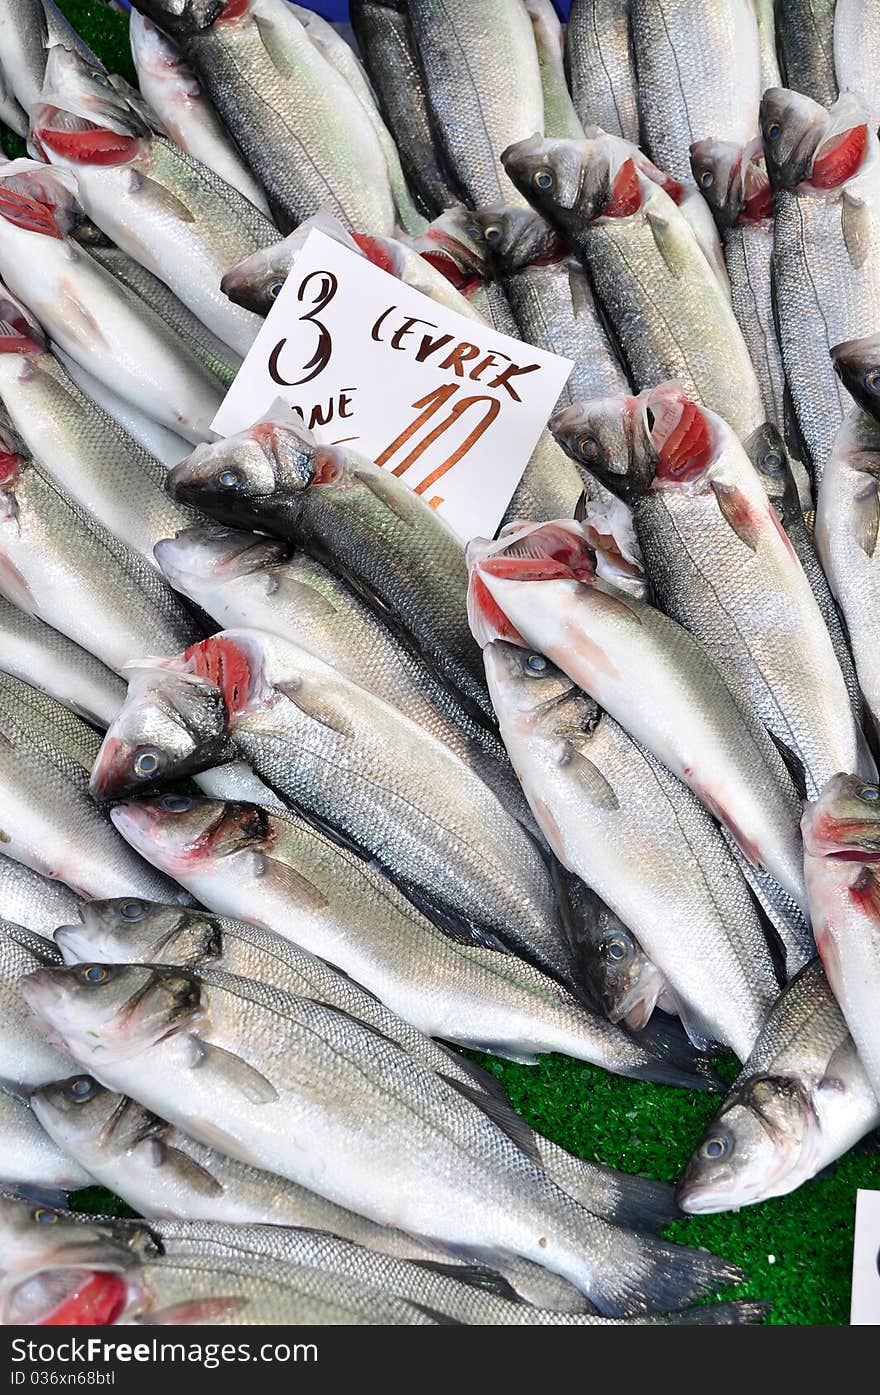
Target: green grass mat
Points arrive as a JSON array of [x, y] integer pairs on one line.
[[796, 1250]]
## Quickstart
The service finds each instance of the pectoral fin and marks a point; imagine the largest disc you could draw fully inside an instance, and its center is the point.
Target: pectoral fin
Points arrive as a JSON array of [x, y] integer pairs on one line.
[[198, 1178], [244, 1079]]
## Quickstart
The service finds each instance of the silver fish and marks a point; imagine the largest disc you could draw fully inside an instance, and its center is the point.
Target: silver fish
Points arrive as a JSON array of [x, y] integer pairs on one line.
[[28, 28], [856, 52], [51, 662], [29, 1156], [36, 902], [560, 116], [151, 436], [390, 1139], [600, 66], [801, 1100], [805, 41], [26, 1057]]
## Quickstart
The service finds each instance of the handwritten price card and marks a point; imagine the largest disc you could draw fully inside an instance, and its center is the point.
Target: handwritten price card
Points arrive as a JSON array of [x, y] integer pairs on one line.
[[441, 400]]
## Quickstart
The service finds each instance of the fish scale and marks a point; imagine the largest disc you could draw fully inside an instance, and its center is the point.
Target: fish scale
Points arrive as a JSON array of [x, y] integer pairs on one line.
[[26, 1057]]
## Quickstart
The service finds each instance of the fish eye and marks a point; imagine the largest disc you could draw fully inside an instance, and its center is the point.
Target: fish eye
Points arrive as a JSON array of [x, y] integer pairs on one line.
[[274, 290], [229, 479], [588, 448], [870, 793], [537, 664], [43, 1216], [773, 130], [133, 910], [707, 179], [872, 380], [81, 1088], [715, 1147], [615, 948], [543, 179], [772, 462], [101, 78], [175, 803], [93, 973], [492, 233], [147, 763]]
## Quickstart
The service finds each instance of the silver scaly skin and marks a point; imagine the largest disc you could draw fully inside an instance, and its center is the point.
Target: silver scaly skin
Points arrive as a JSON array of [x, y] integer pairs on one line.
[[856, 52], [327, 1102], [560, 117], [600, 66], [805, 42], [28, 1156], [36, 902], [51, 662], [801, 1100], [26, 1057], [276, 94]]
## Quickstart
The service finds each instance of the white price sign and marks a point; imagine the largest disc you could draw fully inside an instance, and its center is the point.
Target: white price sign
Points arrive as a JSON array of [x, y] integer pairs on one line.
[[865, 1303], [450, 406]]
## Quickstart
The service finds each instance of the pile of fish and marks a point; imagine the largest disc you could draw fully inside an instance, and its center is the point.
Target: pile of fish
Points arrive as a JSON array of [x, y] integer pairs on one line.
[[298, 792]]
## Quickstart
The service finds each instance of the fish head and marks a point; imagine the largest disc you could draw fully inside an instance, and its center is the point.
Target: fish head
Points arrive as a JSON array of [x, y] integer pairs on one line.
[[253, 471], [256, 282], [174, 722], [766, 450], [792, 127], [682, 438], [19, 331], [517, 237], [188, 833], [453, 244], [76, 1111], [600, 435], [622, 978], [572, 183], [844, 822], [762, 1134], [857, 365], [107, 1013], [39, 198], [717, 167], [523, 553], [127, 930], [525, 686], [209, 556], [182, 18], [81, 118]]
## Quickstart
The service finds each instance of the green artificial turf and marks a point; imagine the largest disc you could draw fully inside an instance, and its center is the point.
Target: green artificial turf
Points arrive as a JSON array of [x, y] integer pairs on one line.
[[797, 1250]]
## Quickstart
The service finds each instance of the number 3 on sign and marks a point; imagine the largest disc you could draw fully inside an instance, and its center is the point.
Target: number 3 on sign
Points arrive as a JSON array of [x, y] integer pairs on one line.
[[427, 407]]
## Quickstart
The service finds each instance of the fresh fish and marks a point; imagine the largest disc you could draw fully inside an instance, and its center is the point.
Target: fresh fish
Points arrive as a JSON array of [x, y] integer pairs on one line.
[[766, 16], [847, 523], [151, 436], [86, 453], [60, 565], [385, 40], [856, 53], [187, 113], [825, 169], [619, 974], [46, 754], [341, 56], [805, 41], [721, 564], [250, 580], [669, 312], [385, 541], [540, 587], [560, 117], [550, 296], [27, 1153], [159, 204], [841, 846], [235, 780], [699, 70], [635, 835], [28, 29], [299, 126], [857, 364], [112, 334], [601, 68], [26, 1057], [470, 102], [801, 1100], [49, 661], [216, 356], [134, 931], [427, 1155], [36, 902]]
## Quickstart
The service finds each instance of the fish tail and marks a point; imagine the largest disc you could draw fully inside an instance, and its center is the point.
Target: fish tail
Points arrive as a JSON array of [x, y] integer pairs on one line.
[[655, 1277], [643, 1204]]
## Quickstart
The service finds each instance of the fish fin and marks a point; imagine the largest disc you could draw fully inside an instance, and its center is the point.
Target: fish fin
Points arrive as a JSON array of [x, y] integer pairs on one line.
[[503, 1116], [734, 1314], [81, 321], [480, 1078], [14, 587], [699, 1031], [164, 199], [53, 1197], [589, 777], [246, 1079], [739, 514], [385, 491], [660, 1277], [855, 221], [161, 1154], [793, 764], [317, 704], [660, 226], [305, 893], [192, 1311], [675, 1060], [643, 1203], [866, 516], [473, 1276], [462, 931], [307, 599]]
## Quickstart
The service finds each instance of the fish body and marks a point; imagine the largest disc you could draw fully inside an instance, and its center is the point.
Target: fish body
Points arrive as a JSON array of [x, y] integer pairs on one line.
[[856, 53], [601, 67], [160, 443], [176, 95], [51, 662], [28, 29], [801, 1100], [805, 40], [33, 901], [26, 1057], [560, 116], [28, 1155]]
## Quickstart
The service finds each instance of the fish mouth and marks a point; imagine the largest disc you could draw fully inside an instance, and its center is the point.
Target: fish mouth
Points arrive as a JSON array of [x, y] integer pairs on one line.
[[142, 825], [464, 280], [71, 1297], [82, 141]]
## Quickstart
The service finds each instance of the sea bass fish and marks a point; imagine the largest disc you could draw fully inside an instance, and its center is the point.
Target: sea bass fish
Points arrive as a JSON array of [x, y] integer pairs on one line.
[[600, 66], [26, 1057], [411, 1133], [560, 117], [841, 840], [801, 1100], [805, 40], [51, 662], [28, 1156], [36, 902]]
